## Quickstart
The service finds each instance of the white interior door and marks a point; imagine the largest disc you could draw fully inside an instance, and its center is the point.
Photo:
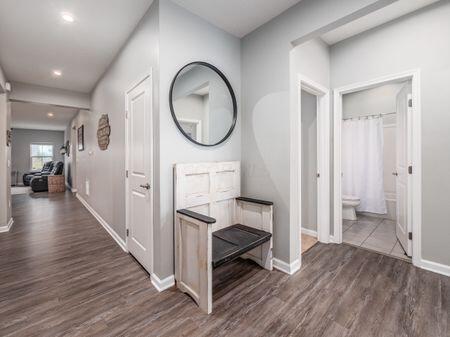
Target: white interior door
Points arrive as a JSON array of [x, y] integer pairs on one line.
[[139, 181], [403, 226]]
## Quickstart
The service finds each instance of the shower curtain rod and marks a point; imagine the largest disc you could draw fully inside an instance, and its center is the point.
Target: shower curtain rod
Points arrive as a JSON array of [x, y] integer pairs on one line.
[[374, 115]]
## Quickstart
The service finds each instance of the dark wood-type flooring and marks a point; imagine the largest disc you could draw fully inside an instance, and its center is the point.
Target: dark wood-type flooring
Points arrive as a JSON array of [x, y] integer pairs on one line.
[[61, 274]]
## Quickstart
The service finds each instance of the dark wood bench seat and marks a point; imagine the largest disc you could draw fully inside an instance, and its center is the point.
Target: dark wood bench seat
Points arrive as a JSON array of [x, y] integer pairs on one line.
[[231, 242]]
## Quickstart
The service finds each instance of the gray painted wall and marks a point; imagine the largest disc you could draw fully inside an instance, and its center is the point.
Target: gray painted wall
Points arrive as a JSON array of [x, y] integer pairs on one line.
[[105, 170], [266, 105], [420, 40], [309, 161], [184, 38], [377, 100], [20, 149], [5, 163]]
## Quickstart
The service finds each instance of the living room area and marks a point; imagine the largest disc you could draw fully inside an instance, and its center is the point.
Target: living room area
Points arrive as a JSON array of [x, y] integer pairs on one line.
[[38, 147]]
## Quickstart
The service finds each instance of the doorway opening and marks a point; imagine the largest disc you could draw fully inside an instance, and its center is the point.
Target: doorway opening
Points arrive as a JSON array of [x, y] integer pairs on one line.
[[377, 165], [314, 155]]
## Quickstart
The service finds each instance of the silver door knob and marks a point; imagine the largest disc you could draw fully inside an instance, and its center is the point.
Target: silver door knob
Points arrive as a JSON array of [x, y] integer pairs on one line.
[[146, 186]]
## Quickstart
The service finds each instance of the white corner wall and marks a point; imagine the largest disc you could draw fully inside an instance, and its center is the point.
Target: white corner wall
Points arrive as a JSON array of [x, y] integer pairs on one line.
[[419, 40]]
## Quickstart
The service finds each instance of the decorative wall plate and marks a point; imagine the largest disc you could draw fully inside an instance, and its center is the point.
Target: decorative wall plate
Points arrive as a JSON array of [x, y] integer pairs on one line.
[[103, 132]]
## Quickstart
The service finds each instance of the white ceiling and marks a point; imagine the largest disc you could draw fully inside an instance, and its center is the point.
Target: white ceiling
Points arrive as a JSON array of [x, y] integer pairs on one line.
[[238, 17], [377, 18], [35, 40], [34, 116]]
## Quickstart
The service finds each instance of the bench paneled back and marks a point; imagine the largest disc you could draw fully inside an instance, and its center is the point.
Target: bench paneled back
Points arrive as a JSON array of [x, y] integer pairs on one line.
[[209, 189]]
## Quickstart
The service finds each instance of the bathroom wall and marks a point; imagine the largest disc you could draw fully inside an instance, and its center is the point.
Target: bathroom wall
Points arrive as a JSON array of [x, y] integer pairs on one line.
[[378, 100], [420, 40], [309, 161]]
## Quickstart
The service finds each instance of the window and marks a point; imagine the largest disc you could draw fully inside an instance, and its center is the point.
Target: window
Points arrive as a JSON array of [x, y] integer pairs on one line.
[[40, 154]]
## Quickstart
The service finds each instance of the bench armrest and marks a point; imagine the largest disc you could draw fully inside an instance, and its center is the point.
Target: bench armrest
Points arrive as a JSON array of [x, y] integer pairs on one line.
[[197, 216], [255, 201]]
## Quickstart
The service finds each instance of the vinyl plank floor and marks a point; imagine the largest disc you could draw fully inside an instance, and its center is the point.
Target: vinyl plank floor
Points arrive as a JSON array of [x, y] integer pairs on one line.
[[61, 274]]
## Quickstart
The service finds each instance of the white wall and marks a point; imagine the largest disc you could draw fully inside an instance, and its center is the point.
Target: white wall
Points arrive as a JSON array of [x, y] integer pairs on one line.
[[39, 94], [184, 38], [266, 104], [105, 170], [420, 40]]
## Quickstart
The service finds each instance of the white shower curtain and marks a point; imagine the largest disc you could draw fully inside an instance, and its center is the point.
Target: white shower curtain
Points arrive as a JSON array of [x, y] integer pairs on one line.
[[362, 163]]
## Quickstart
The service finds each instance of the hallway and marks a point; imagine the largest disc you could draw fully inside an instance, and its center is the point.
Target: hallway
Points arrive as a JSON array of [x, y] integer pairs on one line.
[[63, 275]]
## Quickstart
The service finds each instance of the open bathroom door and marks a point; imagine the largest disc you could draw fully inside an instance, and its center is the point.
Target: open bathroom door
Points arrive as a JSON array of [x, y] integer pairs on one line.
[[403, 226]]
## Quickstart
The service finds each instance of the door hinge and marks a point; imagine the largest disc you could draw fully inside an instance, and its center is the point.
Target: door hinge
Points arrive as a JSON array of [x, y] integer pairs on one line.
[[126, 173], [126, 114], [410, 235], [410, 103], [318, 175], [410, 169], [128, 232]]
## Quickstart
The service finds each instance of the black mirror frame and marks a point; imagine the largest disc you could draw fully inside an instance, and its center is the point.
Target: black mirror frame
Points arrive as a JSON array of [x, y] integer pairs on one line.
[[230, 89]]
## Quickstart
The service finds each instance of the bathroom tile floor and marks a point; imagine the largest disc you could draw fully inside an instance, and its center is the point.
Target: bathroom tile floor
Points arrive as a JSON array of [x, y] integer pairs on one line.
[[373, 233]]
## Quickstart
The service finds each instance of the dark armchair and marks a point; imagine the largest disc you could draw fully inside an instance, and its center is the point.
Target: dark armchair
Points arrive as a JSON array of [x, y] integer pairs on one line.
[[40, 183], [46, 169]]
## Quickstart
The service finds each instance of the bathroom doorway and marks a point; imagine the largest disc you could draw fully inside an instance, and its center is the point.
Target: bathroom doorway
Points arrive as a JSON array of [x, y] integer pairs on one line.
[[376, 165], [314, 163]]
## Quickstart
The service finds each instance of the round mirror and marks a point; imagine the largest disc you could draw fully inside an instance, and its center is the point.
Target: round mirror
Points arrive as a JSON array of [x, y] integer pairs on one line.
[[203, 104]]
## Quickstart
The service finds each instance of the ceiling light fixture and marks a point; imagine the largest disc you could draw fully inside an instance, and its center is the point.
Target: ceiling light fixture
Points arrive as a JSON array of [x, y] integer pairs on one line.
[[57, 72], [50, 114], [67, 17]]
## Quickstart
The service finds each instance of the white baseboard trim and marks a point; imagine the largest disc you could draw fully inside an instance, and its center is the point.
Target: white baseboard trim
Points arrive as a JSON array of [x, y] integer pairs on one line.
[[332, 239], [164, 284], [286, 267], [309, 232], [105, 225], [7, 228], [435, 267]]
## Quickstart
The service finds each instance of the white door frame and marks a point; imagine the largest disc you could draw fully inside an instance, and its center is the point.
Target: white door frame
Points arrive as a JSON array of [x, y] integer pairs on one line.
[[323, 156], [415, 179], [150, 148]]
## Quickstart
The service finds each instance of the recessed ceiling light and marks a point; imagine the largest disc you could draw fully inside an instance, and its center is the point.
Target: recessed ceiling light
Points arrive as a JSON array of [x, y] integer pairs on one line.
[[67, 17], [50, 114], [57, 72]]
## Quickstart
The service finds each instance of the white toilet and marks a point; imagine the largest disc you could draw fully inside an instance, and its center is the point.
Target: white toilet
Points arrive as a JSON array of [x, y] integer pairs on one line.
[[349, 204]]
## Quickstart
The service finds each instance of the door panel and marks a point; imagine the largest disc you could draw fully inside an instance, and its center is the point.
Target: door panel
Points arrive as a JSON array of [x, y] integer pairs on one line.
[[139, 193], [403, 226]]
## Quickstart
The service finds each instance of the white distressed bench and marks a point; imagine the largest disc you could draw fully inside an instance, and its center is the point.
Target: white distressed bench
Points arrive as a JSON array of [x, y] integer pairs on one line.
[[214, 225]]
